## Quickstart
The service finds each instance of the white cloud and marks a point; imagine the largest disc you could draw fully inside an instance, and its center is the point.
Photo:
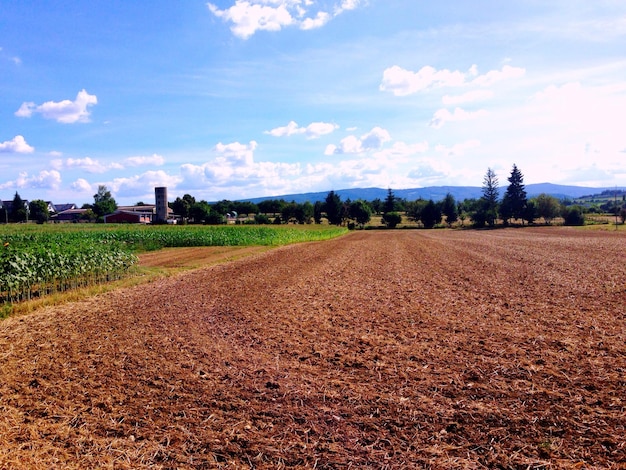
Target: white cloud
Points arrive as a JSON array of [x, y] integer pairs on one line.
[[312, 131], [16, 145], [312, 23], [44, 180], [137, 185], [428, 171], [402, 82], [249, 16], [443, 115], [237, 154], [400, 151], [494, 76], [81, 185], [153, 159], [469, 97], [234, 168], [90, 165], [65, 111], [373, 140], [458, 150]]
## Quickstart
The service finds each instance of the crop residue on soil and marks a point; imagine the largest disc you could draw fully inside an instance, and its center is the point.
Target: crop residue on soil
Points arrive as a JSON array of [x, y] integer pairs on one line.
[[387, 349]]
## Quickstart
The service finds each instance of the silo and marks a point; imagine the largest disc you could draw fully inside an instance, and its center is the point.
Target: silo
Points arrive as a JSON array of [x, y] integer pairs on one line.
[[160, 194]]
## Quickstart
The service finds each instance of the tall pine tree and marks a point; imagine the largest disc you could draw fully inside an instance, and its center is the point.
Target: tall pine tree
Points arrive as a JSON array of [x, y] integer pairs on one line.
[[489, 199], [515, 196]]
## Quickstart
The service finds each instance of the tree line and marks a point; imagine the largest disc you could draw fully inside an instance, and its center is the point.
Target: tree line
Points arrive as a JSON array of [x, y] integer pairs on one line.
[[489, 210]]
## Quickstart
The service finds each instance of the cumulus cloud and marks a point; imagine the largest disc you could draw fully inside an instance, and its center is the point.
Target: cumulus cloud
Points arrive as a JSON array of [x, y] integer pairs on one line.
[[153, 159], [237, 154], [81, 185], [458, 150], [351, 144], [312, 131], [44, 180], [65, 111], [249, 16], [469, 97], [494, 76], [91, 165], [428, 171], [136, 185], [443, 115], [234, 167], [16, 145], [402, 82]]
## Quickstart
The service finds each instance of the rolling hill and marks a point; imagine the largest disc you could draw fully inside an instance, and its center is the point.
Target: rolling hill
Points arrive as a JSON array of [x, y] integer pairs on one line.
[[437, 193]]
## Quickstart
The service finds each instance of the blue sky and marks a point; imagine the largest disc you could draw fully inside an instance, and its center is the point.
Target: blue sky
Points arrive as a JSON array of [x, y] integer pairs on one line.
[[231, 99]]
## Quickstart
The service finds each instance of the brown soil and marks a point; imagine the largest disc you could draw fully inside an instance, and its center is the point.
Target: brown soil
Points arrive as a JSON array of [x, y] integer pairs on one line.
[[390, 349], [196, 256]]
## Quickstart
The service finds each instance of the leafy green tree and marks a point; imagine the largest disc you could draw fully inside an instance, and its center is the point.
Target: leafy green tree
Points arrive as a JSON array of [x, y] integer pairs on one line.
[[488, 211], [462, 210], [516, 193], [530, 212], [548, 207], [391, 219], [449, 209], [414, 209], [431, 214], [18, 211], [103, 203], [182, 206], [333, 208], [361, 212], [200, 211], [505, 209], [39, 211], [245, 207], [304, 213], [223, 207], [261, 219], [573, 215], [377, 205], [214, 218], [318, 209], [270, 206]]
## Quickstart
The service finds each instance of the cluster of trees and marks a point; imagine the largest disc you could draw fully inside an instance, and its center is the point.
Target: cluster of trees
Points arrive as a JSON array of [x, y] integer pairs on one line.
[[37, 210], [488, 210], [20, 211]]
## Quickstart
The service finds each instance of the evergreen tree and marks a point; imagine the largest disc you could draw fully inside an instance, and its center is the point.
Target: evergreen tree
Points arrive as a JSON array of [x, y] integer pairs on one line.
[[333, 208], [516, 194], [431, 214], [449, 209], [18, 211], [390, 202], [489, 199], [318, 208]]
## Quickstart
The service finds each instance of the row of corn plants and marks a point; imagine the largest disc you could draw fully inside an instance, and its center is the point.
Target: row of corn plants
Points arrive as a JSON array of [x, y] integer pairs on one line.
[[35, 270], [39, 260]]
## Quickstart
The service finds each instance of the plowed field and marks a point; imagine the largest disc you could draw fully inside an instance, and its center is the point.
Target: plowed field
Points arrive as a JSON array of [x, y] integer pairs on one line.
[[388, 349]]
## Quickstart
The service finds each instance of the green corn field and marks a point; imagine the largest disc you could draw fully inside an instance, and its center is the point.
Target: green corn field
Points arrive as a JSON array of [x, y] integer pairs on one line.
[[40, 260]]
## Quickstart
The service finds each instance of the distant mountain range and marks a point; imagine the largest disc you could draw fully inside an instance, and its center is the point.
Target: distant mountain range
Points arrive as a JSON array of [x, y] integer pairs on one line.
[[437, 193]]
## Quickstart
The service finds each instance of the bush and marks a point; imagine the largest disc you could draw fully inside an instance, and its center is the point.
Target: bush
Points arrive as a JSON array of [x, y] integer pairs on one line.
[[573, 215], [261, 219], [392, 219]]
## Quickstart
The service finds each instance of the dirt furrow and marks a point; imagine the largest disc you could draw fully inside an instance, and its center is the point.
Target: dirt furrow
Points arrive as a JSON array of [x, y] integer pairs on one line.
[[403, 349]]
